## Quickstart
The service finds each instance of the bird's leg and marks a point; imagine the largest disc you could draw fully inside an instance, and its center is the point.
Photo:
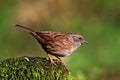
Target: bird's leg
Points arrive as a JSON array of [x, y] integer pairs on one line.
[[62, 62], [51, 60]]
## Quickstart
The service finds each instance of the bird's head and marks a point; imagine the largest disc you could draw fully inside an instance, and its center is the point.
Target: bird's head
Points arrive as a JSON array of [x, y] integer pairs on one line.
[[79, 39]]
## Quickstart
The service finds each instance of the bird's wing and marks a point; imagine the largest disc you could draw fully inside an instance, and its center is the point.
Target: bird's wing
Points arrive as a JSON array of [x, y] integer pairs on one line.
[[56, 42]]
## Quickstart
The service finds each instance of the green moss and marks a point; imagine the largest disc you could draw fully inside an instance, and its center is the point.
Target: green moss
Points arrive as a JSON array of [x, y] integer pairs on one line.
[[32, 68]]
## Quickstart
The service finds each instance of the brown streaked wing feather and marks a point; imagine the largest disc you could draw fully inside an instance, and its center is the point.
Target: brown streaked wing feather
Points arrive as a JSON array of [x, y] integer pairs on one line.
[[55, 42], [44, 36], [64, 41], [61, 43]]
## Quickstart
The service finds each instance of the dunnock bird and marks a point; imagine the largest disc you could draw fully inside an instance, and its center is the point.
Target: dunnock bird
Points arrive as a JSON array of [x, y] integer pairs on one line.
[[57, 44]]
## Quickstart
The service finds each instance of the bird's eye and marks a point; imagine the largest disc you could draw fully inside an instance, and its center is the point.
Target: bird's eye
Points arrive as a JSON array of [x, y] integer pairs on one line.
[[80, 38]]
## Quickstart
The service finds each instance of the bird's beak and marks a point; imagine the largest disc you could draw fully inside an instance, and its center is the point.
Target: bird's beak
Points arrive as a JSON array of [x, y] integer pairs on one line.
[[85, 42]]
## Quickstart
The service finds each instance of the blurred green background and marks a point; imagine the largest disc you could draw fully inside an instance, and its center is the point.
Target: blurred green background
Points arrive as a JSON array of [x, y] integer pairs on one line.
[[97, 20]]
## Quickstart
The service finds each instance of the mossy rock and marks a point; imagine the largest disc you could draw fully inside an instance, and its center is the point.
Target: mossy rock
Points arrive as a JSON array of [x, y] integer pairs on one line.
[[32, 68]]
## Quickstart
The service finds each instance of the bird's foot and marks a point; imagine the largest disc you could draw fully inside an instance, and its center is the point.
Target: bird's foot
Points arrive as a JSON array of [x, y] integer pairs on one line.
[[51, 61], [62, 62]]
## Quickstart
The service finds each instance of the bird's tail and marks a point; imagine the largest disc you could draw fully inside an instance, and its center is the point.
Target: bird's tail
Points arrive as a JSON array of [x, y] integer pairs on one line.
[[26, 29]]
